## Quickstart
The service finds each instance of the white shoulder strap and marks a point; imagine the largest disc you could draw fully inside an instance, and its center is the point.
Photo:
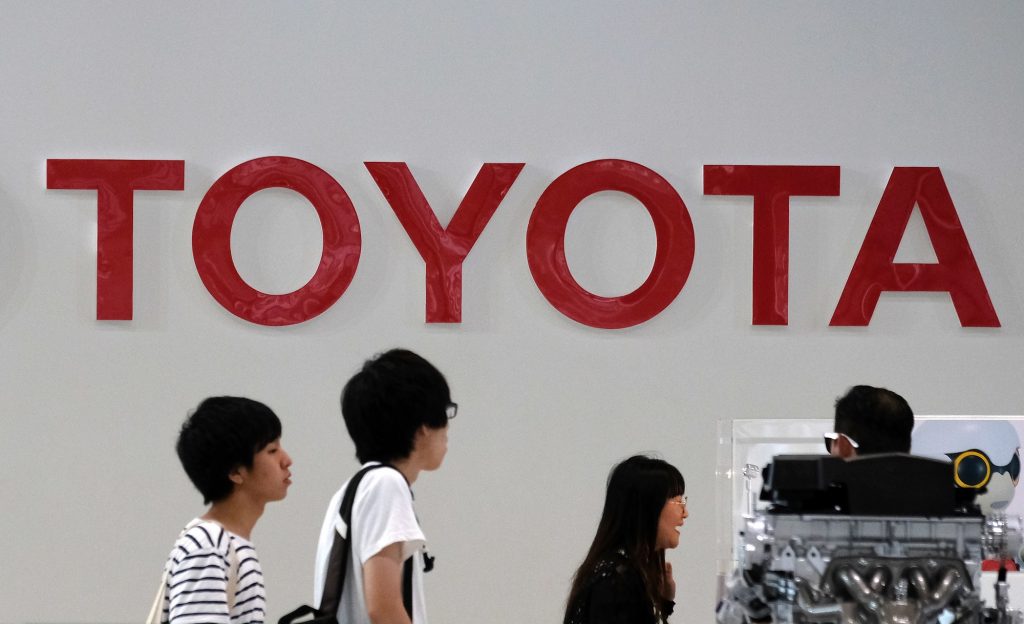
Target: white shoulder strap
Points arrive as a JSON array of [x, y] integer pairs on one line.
[[156, 612], [233, 571]]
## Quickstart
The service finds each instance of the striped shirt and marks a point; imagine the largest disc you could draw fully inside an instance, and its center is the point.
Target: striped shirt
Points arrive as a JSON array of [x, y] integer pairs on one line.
[[213, 577]]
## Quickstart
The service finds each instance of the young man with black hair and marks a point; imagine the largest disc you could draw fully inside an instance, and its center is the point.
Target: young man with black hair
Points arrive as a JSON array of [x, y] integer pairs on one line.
[[231, 449], [396, 410], [870, 420]]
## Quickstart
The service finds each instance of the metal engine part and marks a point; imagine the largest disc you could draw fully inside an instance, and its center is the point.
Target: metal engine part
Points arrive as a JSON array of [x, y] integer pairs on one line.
[[797, 568]]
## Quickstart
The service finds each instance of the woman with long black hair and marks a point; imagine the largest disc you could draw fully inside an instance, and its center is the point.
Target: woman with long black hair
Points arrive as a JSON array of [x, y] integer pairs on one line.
[[624, 578]]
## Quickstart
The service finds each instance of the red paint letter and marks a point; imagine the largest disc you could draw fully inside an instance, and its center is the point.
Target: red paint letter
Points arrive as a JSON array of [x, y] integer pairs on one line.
[[771, 186], [956, 271], [545, 244], [115, 181], [444, 250], [211, 240]]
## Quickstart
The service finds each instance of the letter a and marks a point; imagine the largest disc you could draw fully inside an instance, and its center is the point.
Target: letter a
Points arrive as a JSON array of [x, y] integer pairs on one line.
[[956, 271]]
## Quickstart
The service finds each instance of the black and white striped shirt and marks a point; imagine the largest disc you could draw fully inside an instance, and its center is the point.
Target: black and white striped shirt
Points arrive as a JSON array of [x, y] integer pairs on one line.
[[213, 577]]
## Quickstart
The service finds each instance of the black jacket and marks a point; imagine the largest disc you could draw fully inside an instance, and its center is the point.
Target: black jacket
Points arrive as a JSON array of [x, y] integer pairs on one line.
[[615, 594]]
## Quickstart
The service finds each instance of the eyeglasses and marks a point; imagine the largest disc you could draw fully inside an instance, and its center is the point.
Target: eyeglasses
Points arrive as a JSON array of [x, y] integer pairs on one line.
[[973, 469], [681, 502], [832, 436], [451, 410]]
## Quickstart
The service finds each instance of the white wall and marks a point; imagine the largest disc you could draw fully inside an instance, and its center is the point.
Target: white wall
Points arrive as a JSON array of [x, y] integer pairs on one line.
[[92, 492]]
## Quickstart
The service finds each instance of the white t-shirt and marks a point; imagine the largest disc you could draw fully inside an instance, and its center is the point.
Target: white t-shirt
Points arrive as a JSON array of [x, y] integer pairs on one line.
[[382, 514], [206, 566]]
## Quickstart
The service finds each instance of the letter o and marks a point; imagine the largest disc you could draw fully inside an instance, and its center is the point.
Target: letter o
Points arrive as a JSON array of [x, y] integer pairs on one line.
[[545, 243], [211, 240]]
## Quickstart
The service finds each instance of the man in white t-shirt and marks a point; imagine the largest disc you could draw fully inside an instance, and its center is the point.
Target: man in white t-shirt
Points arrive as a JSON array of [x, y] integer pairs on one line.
[[396, 410]]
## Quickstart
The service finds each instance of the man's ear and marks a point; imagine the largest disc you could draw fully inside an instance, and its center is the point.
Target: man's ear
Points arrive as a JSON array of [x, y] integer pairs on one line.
[[236, 475], [420, 432], [846, 450]]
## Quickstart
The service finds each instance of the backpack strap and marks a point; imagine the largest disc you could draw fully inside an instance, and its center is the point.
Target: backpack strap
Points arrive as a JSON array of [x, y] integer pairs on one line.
[[337, 561], [407, 587], [337, 564]]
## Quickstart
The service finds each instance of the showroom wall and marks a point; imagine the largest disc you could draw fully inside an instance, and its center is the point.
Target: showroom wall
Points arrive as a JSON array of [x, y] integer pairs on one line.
[[896, 108]]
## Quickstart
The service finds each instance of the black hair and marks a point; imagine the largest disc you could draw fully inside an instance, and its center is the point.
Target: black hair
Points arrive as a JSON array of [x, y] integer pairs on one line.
[[386, 403], [879, 420], [221, 435], [638, 488]]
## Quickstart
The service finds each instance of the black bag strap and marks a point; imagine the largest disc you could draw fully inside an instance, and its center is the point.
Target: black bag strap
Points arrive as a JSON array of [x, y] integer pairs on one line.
[[337, 562], [303, 611], [407, 586]]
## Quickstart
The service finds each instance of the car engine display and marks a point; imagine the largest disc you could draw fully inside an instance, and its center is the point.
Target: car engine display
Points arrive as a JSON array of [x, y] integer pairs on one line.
[[884, 539]]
